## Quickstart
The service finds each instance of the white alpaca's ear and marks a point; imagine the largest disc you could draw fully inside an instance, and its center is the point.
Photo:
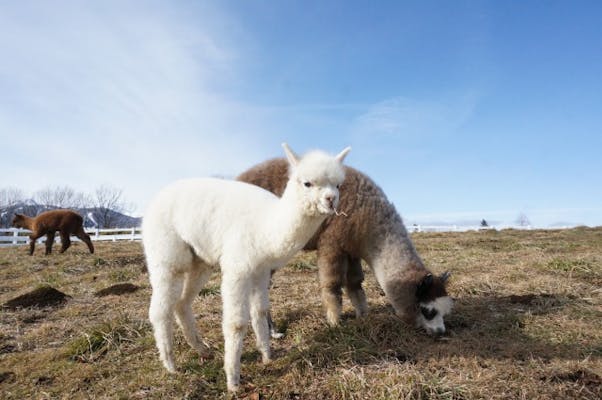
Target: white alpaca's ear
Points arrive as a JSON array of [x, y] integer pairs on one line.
[[293, 159], [341, 156]]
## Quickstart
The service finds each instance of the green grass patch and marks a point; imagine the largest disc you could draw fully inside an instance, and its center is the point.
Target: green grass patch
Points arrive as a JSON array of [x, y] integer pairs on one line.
[[302, 265], [123, 275], [209, 291], [98, 262], [111, 335], [568, 265]]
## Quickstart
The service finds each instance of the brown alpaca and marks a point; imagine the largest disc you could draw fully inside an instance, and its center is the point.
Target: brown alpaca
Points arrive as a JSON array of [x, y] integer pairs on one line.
[[67, 222], [372, 230]]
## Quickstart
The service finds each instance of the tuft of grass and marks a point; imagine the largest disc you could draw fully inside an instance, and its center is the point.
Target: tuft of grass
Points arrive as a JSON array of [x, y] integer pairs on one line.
[[123, 275], [302, 265], [568, 265], [98, 262], [100, 339], [209, 291]]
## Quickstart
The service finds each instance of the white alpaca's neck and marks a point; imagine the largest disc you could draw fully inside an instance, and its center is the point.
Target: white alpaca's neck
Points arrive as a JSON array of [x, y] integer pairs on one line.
[[291, 225]]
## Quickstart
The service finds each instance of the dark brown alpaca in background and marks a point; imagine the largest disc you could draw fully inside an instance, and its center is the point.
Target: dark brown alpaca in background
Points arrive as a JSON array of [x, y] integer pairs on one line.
[[67, 222]]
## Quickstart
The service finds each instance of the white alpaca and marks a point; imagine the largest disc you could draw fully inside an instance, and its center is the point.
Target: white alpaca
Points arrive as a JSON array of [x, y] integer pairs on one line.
[[195, 225]]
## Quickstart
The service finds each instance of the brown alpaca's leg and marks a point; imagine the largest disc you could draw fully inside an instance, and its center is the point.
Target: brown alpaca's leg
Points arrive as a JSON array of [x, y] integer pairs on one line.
[[355, 277], [273, 331], [84, 237], [32, 242], [49, 242], [332, 268], [65, 241]]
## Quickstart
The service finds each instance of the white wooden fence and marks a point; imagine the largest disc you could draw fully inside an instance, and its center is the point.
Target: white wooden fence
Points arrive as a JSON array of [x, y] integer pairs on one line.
[[14, 236]]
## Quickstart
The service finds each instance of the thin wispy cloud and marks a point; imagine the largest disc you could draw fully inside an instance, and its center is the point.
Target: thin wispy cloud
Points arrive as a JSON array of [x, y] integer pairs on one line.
[[407, 117], [401, 123], [97, 93]]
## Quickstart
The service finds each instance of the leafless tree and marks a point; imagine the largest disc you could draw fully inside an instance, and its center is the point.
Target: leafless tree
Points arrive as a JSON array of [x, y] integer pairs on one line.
[[107, 201], [60, 197], [10, 196], [523, 220]]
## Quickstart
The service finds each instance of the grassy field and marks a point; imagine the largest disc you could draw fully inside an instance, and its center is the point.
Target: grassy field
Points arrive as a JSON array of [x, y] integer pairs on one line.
[[527, 325]]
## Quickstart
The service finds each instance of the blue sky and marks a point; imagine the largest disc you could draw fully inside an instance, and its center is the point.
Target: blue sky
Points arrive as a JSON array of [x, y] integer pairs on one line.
[[459, 110]]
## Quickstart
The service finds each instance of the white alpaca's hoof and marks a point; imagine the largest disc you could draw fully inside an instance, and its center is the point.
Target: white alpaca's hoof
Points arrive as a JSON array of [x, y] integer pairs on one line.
[[170, 367], [233, 388], [276, 335]]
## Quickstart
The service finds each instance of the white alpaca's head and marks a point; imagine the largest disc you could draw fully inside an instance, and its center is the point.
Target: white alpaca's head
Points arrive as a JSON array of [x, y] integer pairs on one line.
[[434, 304], [316, 178]]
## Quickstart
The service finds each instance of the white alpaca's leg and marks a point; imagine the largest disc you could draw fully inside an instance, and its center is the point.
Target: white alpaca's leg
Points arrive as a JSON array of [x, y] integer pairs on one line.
[[193, 282], [260, 308], [235, 296], [166, 291]]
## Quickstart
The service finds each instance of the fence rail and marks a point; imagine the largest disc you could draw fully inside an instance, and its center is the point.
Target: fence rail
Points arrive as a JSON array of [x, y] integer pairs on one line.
[[14, 236]]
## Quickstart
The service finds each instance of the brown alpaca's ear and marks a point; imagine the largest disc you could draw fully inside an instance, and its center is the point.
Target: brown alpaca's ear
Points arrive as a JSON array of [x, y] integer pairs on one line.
[[424, 286], [16, 219]]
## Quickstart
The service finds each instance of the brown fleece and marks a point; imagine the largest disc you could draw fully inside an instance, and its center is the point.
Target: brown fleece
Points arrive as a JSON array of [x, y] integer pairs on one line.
[[67, 222], [341, 242]]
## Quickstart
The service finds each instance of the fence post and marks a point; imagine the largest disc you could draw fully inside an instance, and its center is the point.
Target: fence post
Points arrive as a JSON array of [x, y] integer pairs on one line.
[[15, 236], [133, 234]]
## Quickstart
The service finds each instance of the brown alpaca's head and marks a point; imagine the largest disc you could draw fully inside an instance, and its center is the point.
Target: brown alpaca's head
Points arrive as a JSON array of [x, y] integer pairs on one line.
[[19, 221], [434, 303]]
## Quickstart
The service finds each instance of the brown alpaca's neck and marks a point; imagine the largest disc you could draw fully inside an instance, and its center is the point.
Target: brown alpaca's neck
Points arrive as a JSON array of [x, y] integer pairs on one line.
[[27, 222]]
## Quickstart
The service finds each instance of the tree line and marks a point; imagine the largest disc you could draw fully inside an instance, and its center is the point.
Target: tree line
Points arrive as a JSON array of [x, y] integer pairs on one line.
[[105, 206]]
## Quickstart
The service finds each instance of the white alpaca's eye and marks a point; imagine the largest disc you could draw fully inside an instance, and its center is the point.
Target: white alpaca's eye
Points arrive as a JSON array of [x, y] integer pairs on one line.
[[338, 186], [307, 184]]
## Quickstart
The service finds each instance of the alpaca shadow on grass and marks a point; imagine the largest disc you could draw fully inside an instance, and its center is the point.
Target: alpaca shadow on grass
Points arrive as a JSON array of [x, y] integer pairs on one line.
[[487, 327]]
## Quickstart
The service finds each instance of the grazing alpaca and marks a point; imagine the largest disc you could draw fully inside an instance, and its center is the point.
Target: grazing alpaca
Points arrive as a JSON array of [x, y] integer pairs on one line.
[[372, 231], [196, 225], [67, 222]]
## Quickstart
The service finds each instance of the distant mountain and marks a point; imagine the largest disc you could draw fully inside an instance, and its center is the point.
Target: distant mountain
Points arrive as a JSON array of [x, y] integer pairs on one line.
[[93, 217]]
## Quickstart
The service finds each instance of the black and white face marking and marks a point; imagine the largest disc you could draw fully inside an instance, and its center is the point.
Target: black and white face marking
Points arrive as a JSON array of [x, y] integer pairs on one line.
[[428, 313], [432, 313]]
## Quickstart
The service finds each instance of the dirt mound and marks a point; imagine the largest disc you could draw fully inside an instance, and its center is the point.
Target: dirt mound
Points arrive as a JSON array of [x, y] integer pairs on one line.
[[45, 296], [7, 376], [119, 289], [582, 376], [532, 298]]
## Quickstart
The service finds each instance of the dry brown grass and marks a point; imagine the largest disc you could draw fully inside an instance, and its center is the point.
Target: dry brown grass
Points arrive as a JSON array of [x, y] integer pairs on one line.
[[527, 324]]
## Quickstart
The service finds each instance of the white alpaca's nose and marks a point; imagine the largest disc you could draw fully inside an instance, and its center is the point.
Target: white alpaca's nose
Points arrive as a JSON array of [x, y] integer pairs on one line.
[[331, 200]]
